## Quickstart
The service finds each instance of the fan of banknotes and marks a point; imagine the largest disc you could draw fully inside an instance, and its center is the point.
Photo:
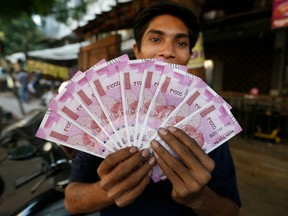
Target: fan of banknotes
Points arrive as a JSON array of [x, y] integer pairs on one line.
[[123, 102]]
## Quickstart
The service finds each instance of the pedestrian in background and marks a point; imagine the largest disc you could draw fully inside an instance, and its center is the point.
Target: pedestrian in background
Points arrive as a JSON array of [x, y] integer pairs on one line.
[[22, 80]]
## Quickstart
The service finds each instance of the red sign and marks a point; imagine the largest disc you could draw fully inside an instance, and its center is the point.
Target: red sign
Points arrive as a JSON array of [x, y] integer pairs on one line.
[[280, 14]]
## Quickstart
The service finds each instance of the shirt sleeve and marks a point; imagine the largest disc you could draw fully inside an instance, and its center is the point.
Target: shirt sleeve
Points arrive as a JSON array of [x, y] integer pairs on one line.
[[84, 168], [224, 180]]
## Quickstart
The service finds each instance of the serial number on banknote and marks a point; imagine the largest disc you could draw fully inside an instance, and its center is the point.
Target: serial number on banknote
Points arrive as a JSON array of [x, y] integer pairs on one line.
[[215, 132], [220, 139]]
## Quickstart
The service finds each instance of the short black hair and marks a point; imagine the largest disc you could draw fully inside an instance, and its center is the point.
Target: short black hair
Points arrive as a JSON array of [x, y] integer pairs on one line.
[[187, 16]]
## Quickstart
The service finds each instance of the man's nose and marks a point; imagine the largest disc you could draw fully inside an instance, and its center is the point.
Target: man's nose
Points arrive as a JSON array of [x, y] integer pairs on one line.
[[167, 50]]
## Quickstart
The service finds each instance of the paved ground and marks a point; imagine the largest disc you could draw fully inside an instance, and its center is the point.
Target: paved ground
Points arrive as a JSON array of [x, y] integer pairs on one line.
[[10, 103], [262, 169]]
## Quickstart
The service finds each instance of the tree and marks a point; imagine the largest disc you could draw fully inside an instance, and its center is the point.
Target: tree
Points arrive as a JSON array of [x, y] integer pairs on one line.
[[21, 34], [18, 32], [61, 9], [16, 8]]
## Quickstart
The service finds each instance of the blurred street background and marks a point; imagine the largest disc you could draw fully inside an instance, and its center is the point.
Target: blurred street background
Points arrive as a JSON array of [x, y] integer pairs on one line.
[[242, 53]]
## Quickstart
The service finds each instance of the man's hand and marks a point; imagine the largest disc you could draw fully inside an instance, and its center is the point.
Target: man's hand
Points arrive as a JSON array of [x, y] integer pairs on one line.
[[125, 174], [189, 176]]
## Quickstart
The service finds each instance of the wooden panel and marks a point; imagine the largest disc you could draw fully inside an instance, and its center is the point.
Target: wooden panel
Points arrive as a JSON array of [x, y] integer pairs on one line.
[[106, 48]]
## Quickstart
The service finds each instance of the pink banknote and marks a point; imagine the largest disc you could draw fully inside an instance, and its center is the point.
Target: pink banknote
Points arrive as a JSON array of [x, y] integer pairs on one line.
[[61, 131], [210, 126], [174, 86], [151, 78], [131, 82], [197, 98], [105, 84], [82, 92], [67, 106]]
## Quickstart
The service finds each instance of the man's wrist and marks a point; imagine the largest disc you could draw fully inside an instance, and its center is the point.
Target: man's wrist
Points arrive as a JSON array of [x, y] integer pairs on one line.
[[203, 199], [207, 202]]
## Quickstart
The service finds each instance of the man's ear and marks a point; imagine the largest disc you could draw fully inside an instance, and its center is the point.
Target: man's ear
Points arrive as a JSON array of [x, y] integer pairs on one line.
[[136, 52]]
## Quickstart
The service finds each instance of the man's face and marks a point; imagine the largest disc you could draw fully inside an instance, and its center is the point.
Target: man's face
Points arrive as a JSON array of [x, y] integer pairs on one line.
[[165, 37]]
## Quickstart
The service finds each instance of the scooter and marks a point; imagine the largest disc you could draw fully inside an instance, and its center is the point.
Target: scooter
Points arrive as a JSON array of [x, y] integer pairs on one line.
[[34, 172], [22, 132]]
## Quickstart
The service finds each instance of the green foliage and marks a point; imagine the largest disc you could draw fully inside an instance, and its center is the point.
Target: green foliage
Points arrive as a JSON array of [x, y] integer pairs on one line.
[[62, 13], [12, 9], [18, 32], [17, 8], [20, 35]]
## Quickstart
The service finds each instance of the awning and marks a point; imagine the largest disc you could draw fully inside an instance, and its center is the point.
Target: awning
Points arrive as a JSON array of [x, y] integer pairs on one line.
[[66, 52]]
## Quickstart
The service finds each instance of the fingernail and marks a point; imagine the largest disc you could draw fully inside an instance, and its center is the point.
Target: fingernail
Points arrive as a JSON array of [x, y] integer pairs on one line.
[[156, 155], [172, 129], [145, 153], [151, 161], [154, 144], [163, 131], [133, 149], [150, 173]]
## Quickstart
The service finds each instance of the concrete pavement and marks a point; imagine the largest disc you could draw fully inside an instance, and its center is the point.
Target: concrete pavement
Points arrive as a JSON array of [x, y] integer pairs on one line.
[[262, 175], [9, 102]]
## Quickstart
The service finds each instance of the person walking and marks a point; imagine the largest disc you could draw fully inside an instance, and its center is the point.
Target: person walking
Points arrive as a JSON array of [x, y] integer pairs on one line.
[[22, 80]]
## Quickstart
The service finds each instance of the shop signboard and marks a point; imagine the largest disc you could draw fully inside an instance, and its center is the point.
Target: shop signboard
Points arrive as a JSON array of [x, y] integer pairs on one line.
[[280, 14], [48, 69], [197, 58]]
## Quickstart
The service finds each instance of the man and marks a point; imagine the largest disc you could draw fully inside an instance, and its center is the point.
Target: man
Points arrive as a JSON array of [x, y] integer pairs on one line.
[[199, 185], [22, 80]]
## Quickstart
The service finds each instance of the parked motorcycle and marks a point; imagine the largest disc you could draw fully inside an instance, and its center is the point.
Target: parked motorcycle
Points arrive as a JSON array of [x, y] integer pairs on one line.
[[34, 172], [22, 132]]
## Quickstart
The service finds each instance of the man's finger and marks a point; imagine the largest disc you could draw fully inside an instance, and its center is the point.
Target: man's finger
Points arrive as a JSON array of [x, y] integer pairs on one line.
[[124, 169], [171, 167], [115, 158], [132, 180], [192, 146]]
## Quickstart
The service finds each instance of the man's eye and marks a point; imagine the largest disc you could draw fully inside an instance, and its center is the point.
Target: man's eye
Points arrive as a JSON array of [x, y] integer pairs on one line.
[[180, 43], [155, 39]]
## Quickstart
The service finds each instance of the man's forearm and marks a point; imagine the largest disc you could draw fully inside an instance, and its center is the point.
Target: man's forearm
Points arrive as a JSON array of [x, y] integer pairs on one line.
[[84, 198], [210, 204]]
